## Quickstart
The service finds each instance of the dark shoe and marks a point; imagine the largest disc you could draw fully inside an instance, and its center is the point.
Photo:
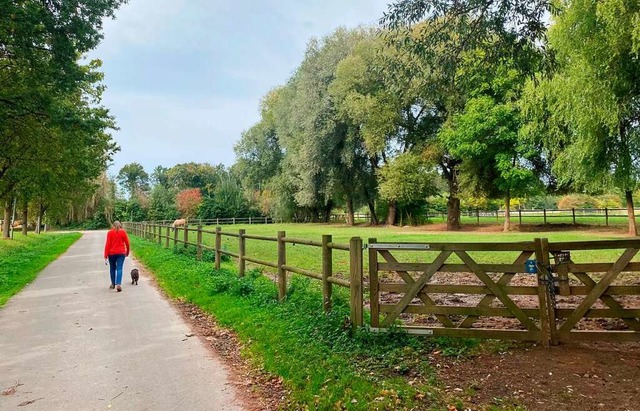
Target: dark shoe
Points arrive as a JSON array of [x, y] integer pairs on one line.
[[112, 286], [118, 288]]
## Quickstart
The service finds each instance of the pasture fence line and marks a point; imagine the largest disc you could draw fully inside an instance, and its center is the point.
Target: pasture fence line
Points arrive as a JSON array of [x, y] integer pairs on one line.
[[160, 233], [550, 292], [592, 216]]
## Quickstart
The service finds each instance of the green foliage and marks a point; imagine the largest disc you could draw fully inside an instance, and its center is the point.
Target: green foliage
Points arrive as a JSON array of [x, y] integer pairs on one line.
[[22, 258], [134, 180]]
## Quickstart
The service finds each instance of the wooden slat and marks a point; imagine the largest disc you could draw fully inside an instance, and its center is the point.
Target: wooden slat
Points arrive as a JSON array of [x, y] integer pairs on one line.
[[337, 246], [515, 335], [516, 246], [451, 268], [457, 310], [302, 241], [605, 335], [339, 281], [261, 262], [545, 298], [229, 234], [416, 287], [409, 280], [601, 313], [229, 253], [260, 237], [563, 279], [497, 291], [612, 290], [598, 289], [459, 289], [594, 245], [600, 267], [302, 271]]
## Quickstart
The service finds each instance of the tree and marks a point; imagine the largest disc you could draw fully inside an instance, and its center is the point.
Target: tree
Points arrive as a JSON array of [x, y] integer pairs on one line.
[[188, 201], [587, 113], [495, 160], [440, 34], [134, 180], [194, 175]]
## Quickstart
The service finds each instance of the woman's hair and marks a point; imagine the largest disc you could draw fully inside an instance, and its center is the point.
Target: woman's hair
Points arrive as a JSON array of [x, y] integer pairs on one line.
[[117, 225]]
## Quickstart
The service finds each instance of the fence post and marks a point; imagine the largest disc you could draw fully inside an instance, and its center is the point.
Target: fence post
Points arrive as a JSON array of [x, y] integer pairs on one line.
[[327, 271], [241, 252], [606, 216], [160, 234], [186, 235], [218, 248], [175, 237], [355, 268], [282, 261], [519, 216], [573, 213], [374, 288], [544, 213], [199, 243], [478, 216], [233, 220], [546, 300]]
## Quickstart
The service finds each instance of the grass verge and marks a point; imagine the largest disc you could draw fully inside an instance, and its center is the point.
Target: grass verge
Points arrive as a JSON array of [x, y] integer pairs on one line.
[[22, 258], [323, 362]]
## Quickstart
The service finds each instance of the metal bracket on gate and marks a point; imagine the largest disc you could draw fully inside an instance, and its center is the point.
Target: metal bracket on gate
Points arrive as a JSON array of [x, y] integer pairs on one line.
[[384, 246]]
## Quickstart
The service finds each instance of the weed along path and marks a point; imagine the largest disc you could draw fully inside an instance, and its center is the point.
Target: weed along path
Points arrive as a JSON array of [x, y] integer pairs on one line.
[[69, 342]]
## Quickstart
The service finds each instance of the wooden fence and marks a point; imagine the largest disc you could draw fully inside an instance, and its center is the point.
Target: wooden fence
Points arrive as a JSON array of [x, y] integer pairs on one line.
[[533, 290], [168, 236], [542, 295]]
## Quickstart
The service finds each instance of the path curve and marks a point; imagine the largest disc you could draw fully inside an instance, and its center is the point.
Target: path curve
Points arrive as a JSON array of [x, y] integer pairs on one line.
[[74, 344]]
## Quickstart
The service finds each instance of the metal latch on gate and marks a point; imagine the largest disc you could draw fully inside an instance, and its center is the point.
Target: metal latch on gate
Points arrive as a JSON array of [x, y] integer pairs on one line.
[[384, 246]]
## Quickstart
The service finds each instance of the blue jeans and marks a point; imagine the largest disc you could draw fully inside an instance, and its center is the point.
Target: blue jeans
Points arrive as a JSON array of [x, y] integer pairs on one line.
[[116, 262]]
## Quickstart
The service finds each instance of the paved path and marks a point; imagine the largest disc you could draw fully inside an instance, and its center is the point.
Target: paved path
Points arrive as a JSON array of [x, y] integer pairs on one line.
[[76, 345]]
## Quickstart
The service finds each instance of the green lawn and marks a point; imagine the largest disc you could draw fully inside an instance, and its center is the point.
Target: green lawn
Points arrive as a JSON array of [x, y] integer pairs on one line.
[[22, 258]]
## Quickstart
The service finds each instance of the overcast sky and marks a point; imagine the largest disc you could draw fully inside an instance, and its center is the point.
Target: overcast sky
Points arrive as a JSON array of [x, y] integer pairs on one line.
[[185, 77]]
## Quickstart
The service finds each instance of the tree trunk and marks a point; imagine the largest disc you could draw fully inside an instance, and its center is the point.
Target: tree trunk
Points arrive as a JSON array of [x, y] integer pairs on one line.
[[350, 216], [372, 207], [39, 219], [507, 212], [6, 222], [633, 229], [391, 216], [25, 214], [453, 204]]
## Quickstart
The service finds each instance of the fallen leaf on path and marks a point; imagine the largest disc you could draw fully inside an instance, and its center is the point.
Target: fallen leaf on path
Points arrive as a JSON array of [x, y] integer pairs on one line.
[[11, 390]]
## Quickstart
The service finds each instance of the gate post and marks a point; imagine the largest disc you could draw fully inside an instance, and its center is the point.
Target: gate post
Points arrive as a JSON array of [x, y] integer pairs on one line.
[[355, 268], [546, 300], [374, 287]]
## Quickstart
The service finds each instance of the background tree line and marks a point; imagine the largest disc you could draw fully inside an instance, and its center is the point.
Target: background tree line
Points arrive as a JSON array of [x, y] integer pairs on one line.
[[474, 99], [54, 133]]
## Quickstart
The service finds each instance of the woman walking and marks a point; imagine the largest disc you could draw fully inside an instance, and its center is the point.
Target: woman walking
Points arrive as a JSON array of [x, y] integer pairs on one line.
[[115, 250]]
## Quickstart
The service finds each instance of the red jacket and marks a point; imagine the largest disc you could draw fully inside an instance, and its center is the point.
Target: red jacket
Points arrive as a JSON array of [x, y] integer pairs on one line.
[[117, 243]]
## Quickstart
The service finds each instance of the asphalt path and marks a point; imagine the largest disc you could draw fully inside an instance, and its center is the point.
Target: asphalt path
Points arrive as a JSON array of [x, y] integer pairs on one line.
[[68, 342]]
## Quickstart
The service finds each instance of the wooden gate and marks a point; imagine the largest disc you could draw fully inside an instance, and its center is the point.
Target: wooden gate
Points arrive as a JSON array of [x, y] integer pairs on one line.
[[594, 301], [458, 294], [536, 291]]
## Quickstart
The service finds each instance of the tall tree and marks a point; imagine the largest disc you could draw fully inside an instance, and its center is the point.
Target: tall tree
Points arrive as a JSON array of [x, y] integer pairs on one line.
[[134, 180], [441, 33], [587, 113]]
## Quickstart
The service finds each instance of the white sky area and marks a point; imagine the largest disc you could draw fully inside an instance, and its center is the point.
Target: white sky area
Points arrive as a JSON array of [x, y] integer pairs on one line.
[[185, 78]]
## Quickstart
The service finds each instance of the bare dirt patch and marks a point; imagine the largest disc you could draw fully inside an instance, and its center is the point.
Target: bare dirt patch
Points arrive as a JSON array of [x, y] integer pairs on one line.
[[595, 376]]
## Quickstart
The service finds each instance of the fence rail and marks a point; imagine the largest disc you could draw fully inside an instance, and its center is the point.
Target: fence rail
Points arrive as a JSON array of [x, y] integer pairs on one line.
[[165, 234]]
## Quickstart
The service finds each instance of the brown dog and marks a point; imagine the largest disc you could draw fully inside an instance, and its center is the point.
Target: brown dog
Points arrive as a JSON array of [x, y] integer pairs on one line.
[[134, 276]]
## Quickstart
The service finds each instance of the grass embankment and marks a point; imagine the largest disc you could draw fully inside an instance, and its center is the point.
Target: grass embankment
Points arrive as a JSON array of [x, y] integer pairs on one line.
[[323, 364], [22, 258]]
